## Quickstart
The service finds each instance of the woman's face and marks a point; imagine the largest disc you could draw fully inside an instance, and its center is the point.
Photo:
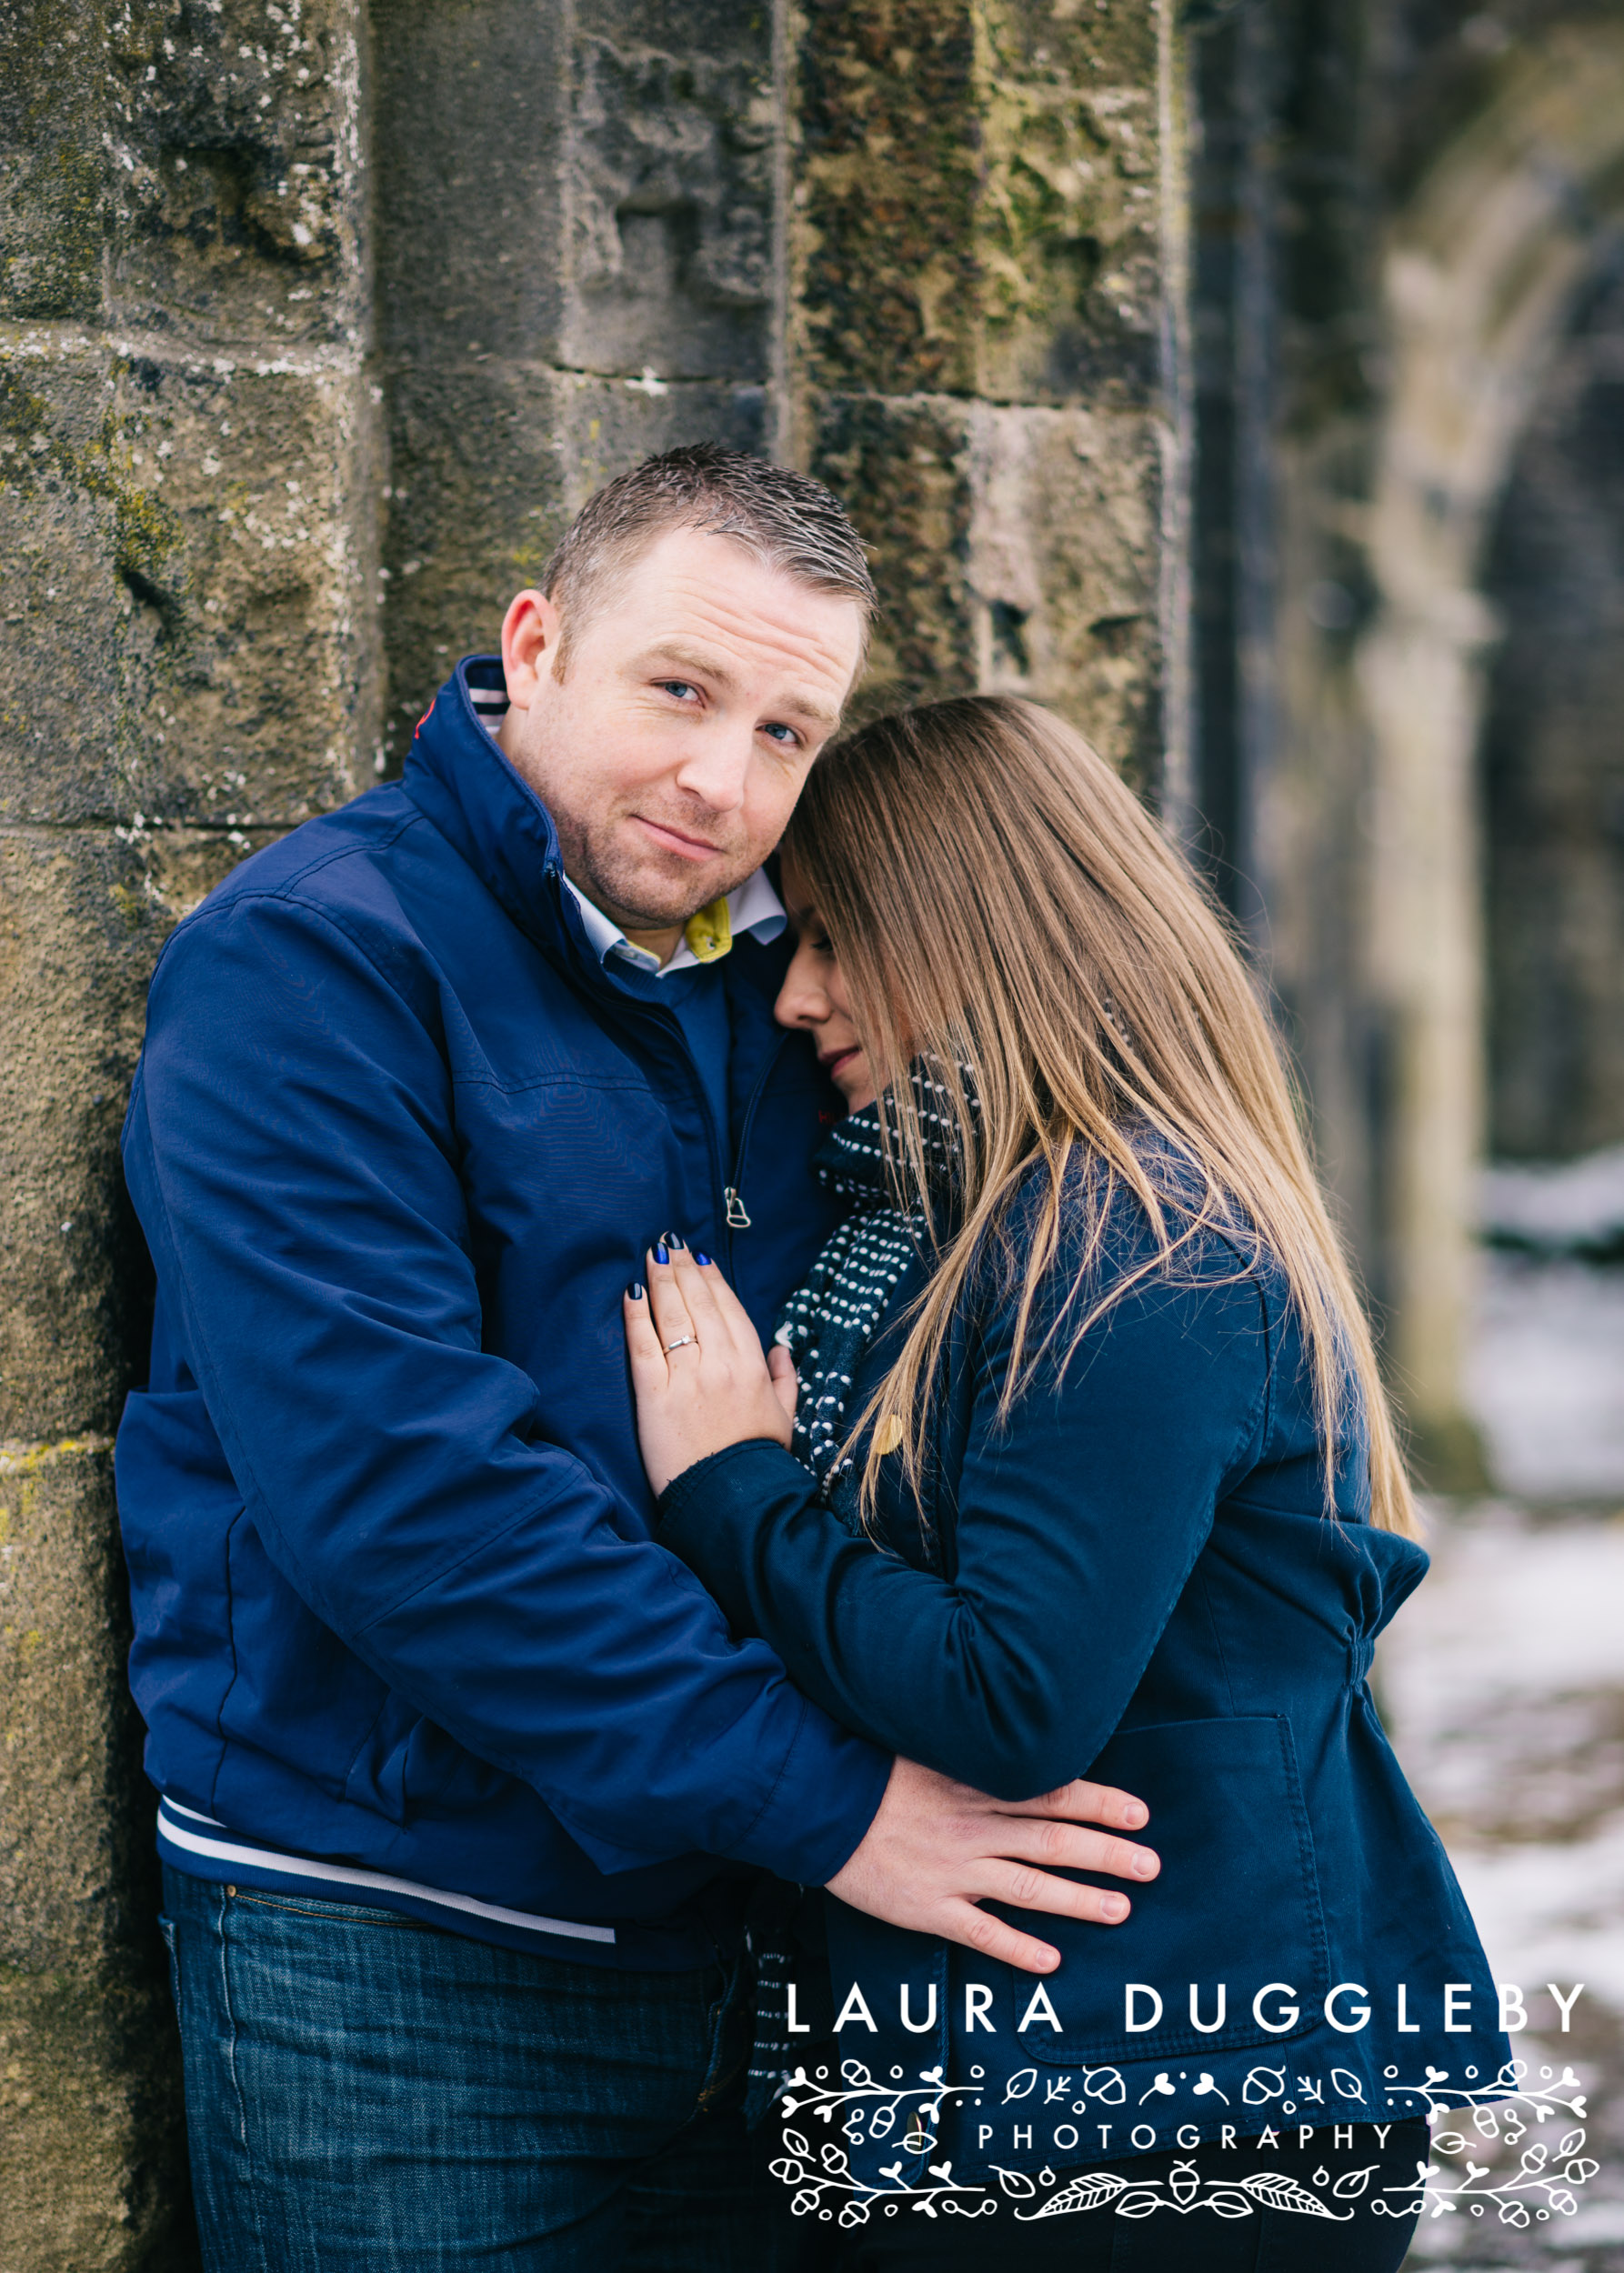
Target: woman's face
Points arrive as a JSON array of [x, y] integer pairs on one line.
[[813, 997]]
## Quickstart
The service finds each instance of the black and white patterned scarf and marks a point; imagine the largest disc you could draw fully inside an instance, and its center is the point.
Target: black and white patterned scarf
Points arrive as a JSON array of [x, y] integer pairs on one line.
[[829, 1322], [828, 1326]]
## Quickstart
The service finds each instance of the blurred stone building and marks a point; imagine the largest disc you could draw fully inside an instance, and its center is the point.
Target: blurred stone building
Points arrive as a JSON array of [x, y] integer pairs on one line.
[[1245, 381]]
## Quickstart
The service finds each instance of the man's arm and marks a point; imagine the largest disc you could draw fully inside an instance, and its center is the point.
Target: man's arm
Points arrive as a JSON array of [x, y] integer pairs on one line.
[[292, 1156]]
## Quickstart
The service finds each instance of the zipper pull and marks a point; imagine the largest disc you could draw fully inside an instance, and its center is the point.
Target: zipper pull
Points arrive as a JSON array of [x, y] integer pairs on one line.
[[737, 1219]]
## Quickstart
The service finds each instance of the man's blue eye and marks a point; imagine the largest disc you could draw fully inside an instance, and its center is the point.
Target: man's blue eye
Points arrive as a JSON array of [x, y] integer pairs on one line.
[[678, 687], [790, 737]]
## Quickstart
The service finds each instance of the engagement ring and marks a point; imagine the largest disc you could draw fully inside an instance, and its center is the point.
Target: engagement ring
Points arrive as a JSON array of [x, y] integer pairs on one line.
[[681, 1342]]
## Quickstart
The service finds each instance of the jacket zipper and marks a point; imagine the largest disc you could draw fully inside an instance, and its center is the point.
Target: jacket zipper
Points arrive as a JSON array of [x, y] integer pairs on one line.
[[734, 1215], [737, 1217]]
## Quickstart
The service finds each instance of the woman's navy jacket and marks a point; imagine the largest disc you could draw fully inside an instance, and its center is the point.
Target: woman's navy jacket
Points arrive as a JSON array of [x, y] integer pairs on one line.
[[397, 1145], [1136, 1580]]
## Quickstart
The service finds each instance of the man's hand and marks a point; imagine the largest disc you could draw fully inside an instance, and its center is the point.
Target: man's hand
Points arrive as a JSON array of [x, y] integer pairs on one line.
[[938, 1849]]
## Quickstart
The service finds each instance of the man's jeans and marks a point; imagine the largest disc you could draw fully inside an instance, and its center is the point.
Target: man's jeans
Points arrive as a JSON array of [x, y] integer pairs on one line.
[[368, 2095]]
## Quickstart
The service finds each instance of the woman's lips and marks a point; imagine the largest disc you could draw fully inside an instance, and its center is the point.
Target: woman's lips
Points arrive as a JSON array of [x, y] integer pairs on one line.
[[837, 1058]]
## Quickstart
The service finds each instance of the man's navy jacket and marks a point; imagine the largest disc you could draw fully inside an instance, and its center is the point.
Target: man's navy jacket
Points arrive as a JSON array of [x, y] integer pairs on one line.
[[397, 1145]]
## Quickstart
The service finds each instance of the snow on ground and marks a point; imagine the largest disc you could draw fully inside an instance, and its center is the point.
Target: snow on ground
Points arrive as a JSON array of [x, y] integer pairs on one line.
[[1545, 1376], [1502, 1680]]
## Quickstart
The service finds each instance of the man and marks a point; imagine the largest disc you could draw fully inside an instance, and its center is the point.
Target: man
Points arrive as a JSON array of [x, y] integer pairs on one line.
[[465, 1781]]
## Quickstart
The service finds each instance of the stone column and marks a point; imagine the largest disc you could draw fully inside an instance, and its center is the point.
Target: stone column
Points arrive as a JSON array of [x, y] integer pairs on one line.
[[576, 214], [985, 268], [189, 666]]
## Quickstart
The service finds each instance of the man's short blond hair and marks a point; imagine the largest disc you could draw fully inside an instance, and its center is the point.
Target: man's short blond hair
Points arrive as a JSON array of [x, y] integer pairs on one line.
[[785, 519]]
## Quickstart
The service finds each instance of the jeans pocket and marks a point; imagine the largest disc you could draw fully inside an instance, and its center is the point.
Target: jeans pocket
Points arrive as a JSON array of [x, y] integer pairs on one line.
[[167, 1928]]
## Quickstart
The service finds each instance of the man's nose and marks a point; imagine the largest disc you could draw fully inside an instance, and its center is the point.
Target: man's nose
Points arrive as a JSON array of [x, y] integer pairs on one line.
[[715, 767]]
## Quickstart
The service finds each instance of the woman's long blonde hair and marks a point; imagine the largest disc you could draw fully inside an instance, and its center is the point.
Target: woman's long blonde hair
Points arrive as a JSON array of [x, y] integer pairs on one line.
[[1003, 907]]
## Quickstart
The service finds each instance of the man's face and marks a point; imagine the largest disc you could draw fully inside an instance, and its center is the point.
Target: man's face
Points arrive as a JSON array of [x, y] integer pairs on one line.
[[672, 752]]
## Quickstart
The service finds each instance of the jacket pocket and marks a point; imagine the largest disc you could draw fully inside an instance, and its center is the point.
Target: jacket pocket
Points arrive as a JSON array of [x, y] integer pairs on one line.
[[1236, 1905]]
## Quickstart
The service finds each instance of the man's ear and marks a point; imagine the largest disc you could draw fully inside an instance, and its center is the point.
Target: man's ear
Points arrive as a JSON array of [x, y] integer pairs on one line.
[[530, 635]]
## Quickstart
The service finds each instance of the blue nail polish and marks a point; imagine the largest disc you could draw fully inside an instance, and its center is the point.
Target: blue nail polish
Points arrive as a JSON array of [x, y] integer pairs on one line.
[[635, 1291], [672, 1240], [703, 1261], [660, 1254]]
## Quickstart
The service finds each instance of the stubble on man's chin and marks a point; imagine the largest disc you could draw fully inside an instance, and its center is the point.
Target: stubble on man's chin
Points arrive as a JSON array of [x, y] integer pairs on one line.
[[622, 888]]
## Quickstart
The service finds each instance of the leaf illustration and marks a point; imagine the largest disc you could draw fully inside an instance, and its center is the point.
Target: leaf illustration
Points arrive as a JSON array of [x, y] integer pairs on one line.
[[1140, 2203], [1015, 2182], [1348, 2083], [1277, 2192], [1228, 2202], [1083, 2194], [1025, 2079], [1448, 2142], [1571, 2143], [796, 2143], [1352, 2183]]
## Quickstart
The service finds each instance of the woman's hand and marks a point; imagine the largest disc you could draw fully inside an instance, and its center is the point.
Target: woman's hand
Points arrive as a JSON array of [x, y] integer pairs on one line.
[[700, 1378]]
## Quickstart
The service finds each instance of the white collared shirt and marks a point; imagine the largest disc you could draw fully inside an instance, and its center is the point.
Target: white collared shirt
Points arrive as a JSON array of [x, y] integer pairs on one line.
[[753, 907]]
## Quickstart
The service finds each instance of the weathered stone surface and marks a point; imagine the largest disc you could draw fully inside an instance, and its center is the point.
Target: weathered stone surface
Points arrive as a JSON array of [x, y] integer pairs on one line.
[[93, 2172], [82, 916], [575, 240], [88, 2097], [976, 207], [54, 173], [489, 462], [468, 149], [1016, 550], [236, 136], [186, 575]]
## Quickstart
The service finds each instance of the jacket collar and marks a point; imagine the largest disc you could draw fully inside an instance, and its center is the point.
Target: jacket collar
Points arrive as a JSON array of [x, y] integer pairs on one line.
[[458, 778]]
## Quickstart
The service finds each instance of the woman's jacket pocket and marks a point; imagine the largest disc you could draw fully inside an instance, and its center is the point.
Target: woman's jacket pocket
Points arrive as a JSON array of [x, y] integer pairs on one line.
[[1233, 1923]]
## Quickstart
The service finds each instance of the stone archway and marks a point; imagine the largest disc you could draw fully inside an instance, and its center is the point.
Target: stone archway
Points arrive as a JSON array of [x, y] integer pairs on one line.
[[1481, 274]]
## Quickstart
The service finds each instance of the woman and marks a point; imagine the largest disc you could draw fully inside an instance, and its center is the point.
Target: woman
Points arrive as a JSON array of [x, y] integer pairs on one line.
[[1091, 1469]]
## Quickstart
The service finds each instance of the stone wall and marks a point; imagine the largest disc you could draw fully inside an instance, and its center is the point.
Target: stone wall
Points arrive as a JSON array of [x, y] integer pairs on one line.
[[316, 326], [191, 665]]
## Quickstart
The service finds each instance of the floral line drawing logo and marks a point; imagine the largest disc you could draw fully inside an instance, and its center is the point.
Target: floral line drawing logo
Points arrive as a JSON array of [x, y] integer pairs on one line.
[[1184, 2191], [1541, 2185], [831, 2176]]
